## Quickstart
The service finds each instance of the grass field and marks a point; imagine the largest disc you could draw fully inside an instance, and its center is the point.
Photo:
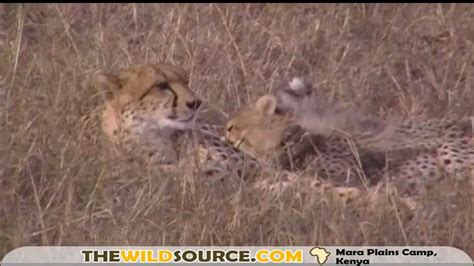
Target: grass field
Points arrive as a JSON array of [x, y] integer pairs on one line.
[[393, 60]]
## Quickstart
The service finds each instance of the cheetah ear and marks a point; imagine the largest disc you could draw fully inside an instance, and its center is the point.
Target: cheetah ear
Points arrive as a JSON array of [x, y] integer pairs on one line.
[[266, 105], [109, 83]]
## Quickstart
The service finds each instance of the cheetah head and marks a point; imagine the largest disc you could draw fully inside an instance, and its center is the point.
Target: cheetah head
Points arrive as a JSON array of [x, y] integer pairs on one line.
[[259, 128], [143, 99]]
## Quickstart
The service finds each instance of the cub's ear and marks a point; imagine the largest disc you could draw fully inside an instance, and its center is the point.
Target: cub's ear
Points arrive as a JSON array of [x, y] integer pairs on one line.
[[108, 83], [266, 105]]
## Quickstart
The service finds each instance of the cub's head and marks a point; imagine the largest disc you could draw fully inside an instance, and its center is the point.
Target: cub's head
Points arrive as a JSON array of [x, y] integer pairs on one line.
[[144, 98], [259, 129]]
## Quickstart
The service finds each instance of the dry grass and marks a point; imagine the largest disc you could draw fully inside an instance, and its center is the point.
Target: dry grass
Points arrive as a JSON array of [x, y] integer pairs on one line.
[[56, 188]]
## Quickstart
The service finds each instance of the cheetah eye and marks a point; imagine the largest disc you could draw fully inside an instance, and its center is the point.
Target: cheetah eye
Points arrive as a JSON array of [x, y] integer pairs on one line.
[[163, 86], [230, 127]]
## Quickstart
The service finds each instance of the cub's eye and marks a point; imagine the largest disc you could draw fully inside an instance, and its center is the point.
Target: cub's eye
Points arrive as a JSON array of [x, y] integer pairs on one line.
[[279, 111], [163, 86], [232, 128]]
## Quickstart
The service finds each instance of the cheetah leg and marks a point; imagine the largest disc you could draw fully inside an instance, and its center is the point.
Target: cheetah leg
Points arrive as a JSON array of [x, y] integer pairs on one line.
[[340, 193]]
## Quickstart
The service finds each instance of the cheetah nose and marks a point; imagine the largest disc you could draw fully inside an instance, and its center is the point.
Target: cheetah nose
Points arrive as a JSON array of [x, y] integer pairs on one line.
[[194, 105]]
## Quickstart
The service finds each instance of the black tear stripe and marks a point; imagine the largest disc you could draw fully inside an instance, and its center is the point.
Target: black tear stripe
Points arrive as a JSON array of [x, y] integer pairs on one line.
[[167, 87], [175, 98]]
